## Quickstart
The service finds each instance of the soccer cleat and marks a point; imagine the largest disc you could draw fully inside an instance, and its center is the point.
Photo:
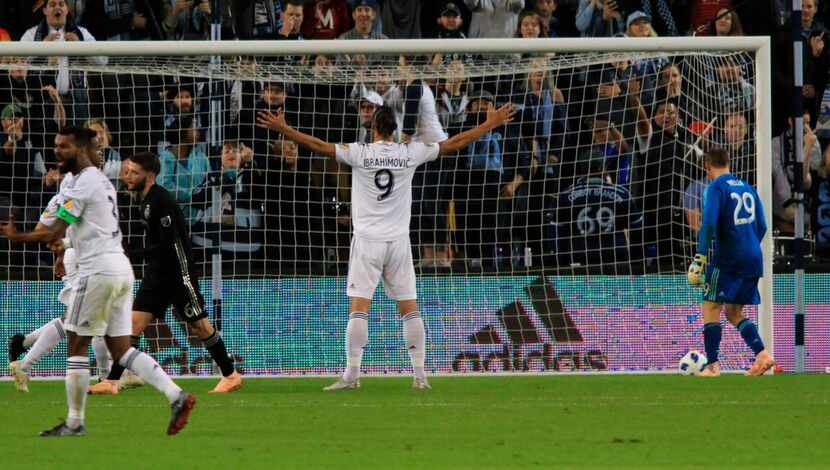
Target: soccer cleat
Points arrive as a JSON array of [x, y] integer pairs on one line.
[[342, 385], [16, 348], [129, 380], [228, 384], [63, 430], [104, 387], [763, 363], [421, 384], [21, 377], [180, 412], [712, 370]]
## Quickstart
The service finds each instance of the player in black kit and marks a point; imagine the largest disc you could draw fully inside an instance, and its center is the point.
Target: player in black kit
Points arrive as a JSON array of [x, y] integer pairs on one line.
[[169, 278]]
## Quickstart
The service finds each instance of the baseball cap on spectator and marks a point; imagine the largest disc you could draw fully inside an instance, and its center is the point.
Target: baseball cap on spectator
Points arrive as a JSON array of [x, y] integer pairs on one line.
[[373, 4], [450, 9], [636, 16], [12, 111], [373, 97]]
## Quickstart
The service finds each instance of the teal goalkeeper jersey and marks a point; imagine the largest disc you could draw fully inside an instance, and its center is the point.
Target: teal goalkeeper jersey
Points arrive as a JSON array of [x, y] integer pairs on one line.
[[734, 223]]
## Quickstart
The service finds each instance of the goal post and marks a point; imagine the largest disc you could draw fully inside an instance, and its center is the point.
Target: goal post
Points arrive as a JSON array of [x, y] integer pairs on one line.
[[521, 290]]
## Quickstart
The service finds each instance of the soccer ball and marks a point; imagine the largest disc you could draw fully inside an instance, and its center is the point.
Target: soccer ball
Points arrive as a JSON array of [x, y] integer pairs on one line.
[[692, 363]]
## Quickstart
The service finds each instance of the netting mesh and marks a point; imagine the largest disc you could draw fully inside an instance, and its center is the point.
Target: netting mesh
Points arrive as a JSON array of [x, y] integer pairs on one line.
[[551, 243]]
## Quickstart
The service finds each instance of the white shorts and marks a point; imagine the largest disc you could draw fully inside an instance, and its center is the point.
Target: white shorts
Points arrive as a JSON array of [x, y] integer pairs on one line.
[[66, 295], [102, 305], [371, 260]]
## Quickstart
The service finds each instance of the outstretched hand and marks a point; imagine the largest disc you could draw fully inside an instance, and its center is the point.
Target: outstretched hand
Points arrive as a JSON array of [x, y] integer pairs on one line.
[[58, 267], [817, 45], [273, 121], [8, 229], [57, 247], [501, 116]]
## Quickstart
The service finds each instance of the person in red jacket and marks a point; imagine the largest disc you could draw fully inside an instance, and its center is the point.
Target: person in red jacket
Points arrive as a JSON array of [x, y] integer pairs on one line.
[[325, 19]]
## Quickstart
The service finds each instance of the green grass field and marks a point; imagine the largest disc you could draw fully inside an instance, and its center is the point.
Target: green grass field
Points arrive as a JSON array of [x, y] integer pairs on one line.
[[472, 422]]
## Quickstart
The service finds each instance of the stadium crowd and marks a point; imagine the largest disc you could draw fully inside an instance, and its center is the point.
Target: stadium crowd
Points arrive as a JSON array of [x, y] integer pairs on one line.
[[595, 170]]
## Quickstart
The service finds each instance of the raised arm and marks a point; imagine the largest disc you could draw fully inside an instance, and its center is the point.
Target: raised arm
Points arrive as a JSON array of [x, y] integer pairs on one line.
[[276, 122], [495, 118], [42, 232]]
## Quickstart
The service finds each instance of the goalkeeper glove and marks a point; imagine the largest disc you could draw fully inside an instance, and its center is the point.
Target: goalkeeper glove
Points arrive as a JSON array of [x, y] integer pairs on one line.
[[696, 271]]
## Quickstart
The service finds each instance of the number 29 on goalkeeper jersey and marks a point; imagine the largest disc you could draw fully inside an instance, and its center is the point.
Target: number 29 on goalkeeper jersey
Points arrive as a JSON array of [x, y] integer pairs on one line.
[[734, 225]]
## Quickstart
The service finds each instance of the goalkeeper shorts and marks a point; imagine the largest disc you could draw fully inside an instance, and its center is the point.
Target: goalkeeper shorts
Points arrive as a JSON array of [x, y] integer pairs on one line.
[[727, 288]]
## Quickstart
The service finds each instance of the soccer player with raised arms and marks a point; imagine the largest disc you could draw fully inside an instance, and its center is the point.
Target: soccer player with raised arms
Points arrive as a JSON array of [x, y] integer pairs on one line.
[[381, 211], [733, 226], [103, 298]]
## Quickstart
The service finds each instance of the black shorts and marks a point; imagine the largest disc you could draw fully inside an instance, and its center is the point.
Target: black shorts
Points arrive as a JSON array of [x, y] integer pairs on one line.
[[154, 296]]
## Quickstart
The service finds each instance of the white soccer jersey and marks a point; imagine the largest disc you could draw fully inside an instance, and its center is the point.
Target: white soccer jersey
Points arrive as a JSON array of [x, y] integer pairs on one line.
[[70, 261], [428, 129], [70, 265], [88, 204], [50, 213], [382, 185]]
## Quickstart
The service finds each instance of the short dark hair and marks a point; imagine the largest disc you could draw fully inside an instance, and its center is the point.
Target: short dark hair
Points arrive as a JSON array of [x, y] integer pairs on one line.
[[280, 86], [296, 3], [148, 161], [717, 157], [660, 99], [83, 136], [384, 121]]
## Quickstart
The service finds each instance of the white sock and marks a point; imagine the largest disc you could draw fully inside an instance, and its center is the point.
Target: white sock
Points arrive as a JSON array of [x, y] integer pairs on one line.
[[30, 339], [77, 383], [357, 335], [49, 336], [151, 372], [415, 340], [102, 356]]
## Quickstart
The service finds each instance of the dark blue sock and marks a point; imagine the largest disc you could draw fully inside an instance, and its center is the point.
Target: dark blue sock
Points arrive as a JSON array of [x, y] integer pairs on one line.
[[711, 340], [749, 332]]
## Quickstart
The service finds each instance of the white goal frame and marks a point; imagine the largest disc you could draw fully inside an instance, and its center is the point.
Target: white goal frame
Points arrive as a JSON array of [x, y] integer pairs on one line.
[[759, 46]]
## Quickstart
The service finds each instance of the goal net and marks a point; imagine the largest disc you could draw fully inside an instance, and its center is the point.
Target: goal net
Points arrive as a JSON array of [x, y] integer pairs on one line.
[[558, 242]]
